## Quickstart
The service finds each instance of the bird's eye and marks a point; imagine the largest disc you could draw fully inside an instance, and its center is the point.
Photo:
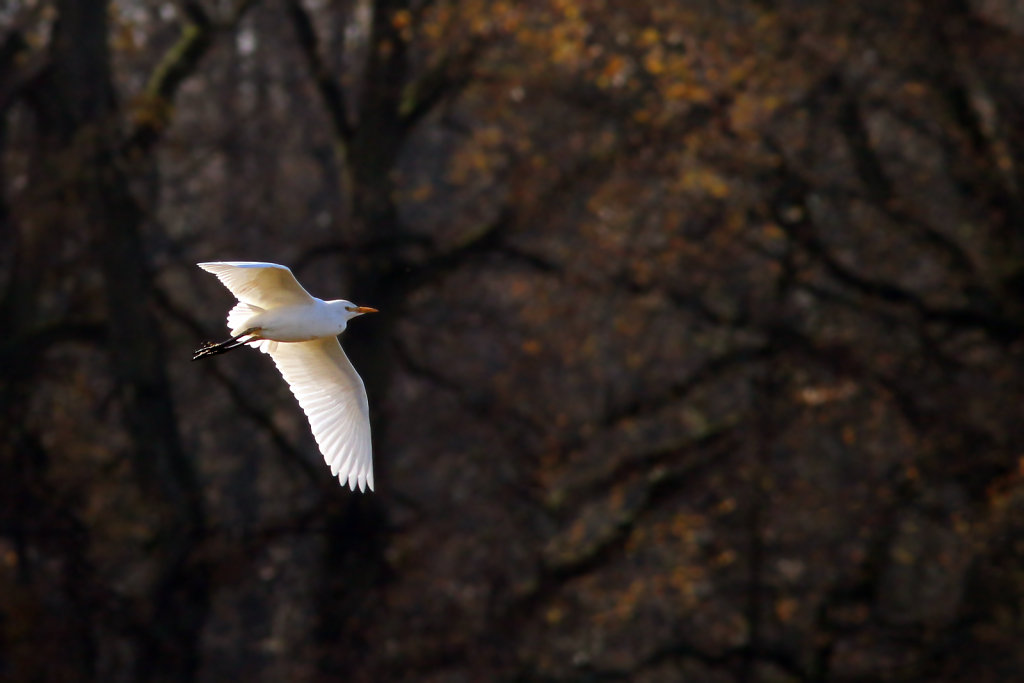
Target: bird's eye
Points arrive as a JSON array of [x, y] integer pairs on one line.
[[350, 308]]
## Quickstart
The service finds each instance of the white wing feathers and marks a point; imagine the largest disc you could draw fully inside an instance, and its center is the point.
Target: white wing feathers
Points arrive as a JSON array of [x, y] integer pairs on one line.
[[332, 395], [265, 285]]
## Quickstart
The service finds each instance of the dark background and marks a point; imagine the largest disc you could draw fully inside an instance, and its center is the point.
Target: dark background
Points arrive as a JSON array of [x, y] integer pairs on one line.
[[700, 352]]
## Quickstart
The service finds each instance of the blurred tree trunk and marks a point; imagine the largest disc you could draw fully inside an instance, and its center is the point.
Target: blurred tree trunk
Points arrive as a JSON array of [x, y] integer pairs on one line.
[[80, 145], [354, 563], [368, 151], [372, 118]]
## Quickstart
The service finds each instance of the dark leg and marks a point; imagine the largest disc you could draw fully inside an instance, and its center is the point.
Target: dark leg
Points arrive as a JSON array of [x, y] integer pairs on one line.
[[214, 348]]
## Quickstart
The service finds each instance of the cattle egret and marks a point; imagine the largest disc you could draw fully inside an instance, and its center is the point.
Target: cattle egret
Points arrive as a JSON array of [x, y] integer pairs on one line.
[[300, 333]]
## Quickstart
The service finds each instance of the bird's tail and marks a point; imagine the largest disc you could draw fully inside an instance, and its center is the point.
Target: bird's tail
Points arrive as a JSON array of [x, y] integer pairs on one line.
[[241, 314]]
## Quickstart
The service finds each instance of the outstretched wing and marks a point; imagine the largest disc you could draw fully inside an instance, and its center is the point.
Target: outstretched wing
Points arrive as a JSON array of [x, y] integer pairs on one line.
[[332, 395], [266, 285]]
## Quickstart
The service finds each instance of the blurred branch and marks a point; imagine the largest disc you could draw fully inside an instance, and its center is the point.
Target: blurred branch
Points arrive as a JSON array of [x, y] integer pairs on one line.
[[264, 421], [180, 60], [985, 311], [486, 238], [596, 534], [481, 404], [998, 327], [880, 187], [443, 82], [326, 83], [677, 391], [791, 213], [490, 237], [970, 90], [606, 525], [176, 65], [599, 480]]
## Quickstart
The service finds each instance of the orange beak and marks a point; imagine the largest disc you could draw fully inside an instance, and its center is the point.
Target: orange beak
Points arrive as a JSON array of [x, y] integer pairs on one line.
[[366, 309]]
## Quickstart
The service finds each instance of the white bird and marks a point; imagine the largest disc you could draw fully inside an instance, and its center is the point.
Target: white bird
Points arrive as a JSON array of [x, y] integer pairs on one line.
[[300, 332]]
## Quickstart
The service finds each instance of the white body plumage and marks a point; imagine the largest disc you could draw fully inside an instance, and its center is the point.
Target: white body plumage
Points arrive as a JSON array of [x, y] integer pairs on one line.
[[297, 323]]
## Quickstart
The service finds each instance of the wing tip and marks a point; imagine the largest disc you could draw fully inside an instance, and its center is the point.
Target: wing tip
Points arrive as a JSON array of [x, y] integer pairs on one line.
[[361, 480]]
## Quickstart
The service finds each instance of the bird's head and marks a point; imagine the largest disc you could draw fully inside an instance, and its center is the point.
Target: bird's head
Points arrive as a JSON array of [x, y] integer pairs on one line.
[[350, 309]]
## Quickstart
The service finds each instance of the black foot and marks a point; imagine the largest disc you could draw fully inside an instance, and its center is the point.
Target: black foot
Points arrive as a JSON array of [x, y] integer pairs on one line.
[[216, 348]]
